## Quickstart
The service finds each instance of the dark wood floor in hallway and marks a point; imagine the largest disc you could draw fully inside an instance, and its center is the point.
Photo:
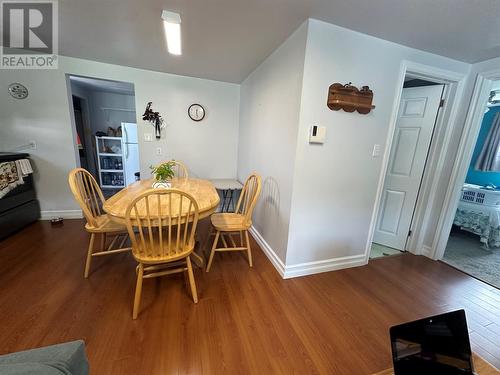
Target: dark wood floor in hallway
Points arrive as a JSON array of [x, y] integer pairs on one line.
[[248, 321]]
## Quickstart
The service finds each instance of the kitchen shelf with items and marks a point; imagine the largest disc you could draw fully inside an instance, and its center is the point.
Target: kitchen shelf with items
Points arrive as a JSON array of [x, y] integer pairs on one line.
[[110, 156]]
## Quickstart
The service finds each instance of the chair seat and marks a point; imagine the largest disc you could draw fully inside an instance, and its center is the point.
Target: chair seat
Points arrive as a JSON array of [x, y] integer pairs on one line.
[[105, 225], [168, 255], [229, 222]]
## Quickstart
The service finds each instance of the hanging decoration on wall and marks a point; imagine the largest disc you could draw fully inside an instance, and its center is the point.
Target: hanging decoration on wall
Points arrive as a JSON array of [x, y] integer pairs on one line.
[[155, 119], [350, 98], [18, 91]]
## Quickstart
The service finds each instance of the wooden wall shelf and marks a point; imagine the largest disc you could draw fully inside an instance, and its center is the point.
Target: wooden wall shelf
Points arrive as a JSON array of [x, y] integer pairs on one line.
[[350, 98]]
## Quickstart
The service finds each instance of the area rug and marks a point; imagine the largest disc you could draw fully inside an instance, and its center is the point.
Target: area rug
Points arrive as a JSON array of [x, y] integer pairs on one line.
[[465, 252]]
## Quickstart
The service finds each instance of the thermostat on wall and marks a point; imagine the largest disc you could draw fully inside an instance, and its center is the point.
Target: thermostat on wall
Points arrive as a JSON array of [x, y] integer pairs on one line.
[[317, 134]]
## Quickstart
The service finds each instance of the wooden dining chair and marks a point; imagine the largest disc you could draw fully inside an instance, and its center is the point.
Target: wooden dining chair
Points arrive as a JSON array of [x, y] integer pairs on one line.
[[162, 224], [90, 198], [240, 221], [180, 169]]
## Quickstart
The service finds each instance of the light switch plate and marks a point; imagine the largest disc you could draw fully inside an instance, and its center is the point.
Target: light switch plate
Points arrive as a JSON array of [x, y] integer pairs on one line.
[[148, 137], [376, 150]]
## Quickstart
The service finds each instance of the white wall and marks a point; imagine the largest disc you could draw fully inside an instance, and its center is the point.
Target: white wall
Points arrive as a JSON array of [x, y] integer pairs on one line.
[[101, 119], [209, 148], [270, 104], [45, 118], [486, 66], [335, 184]]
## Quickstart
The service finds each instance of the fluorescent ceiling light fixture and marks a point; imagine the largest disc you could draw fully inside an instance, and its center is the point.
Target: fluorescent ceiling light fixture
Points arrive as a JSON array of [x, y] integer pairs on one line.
[[172, 25]]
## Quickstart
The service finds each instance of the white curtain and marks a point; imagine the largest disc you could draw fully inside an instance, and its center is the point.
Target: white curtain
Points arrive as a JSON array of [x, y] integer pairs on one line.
[[489, 158]]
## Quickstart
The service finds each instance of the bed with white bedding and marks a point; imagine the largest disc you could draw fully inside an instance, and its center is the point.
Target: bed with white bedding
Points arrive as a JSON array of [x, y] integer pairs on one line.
[[478, 212]]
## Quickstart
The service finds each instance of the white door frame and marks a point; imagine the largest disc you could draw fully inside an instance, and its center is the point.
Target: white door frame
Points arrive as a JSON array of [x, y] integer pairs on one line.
[[466, 147], [454, 89], [422, 131]]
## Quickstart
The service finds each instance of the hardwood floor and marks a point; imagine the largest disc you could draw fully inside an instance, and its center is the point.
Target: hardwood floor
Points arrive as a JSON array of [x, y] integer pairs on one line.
[[247, 320]]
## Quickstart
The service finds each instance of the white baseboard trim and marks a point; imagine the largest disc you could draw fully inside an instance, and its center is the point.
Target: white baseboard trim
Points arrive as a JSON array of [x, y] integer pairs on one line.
[[270, 253], [426, 251], [309, 268], [65, 214]]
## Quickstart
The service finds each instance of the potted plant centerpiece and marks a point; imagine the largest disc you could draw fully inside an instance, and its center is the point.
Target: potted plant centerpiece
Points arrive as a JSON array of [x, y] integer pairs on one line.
[[163, 174]]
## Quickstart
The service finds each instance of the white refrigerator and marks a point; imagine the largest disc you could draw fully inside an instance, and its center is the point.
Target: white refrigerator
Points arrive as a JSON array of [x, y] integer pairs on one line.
[[130, 151]]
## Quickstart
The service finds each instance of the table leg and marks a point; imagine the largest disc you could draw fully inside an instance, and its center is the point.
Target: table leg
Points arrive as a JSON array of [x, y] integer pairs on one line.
[[226, 192], [228, 200], [231, 201], [198, 255], [234, 200], [224, 198]]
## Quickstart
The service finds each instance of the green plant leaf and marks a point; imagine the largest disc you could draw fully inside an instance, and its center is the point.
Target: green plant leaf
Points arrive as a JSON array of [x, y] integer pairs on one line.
[[163, 171]]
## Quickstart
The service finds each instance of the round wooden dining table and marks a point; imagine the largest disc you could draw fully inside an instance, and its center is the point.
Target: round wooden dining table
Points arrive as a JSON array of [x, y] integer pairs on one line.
[[203, 191]]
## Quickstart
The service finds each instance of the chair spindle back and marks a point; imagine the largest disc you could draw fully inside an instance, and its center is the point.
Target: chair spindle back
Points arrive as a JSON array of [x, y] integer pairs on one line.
[[87, 193], [248, 197], [162, 223], [180, 169]]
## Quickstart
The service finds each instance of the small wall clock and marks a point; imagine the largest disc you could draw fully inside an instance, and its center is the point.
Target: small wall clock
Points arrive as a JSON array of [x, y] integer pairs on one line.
[[18, 91], [196, 112]]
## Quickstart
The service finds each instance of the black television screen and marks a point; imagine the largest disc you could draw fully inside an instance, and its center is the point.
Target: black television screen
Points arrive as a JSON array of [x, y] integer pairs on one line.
[[435, 345]]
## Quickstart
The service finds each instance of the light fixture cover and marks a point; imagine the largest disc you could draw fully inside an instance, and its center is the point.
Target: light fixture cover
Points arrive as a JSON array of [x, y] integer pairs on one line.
[[171, 17], [172, 25]]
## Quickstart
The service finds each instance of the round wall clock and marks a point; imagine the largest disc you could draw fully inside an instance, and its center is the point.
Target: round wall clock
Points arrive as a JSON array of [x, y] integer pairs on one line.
[[196, 112], [18, 91]]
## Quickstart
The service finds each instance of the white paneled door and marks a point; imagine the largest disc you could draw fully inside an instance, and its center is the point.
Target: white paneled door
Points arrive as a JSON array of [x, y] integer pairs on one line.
[[417, 115]]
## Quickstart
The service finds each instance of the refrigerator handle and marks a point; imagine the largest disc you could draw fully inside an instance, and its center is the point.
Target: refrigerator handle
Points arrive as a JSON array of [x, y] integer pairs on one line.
[[125, 133], [126, 151]]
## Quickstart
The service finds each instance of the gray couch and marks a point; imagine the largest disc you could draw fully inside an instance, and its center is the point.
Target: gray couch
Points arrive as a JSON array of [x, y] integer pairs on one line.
[[67, 358]]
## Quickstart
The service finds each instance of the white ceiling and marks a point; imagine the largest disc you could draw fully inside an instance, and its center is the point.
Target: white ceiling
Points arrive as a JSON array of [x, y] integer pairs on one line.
[[226, 39]]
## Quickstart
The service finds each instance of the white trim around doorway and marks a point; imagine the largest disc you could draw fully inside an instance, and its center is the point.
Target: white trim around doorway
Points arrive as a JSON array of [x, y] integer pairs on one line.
[[454, 89], [468, 140]]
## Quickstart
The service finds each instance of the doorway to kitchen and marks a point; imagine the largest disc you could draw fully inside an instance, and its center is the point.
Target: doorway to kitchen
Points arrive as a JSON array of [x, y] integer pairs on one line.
[[105, 130]]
